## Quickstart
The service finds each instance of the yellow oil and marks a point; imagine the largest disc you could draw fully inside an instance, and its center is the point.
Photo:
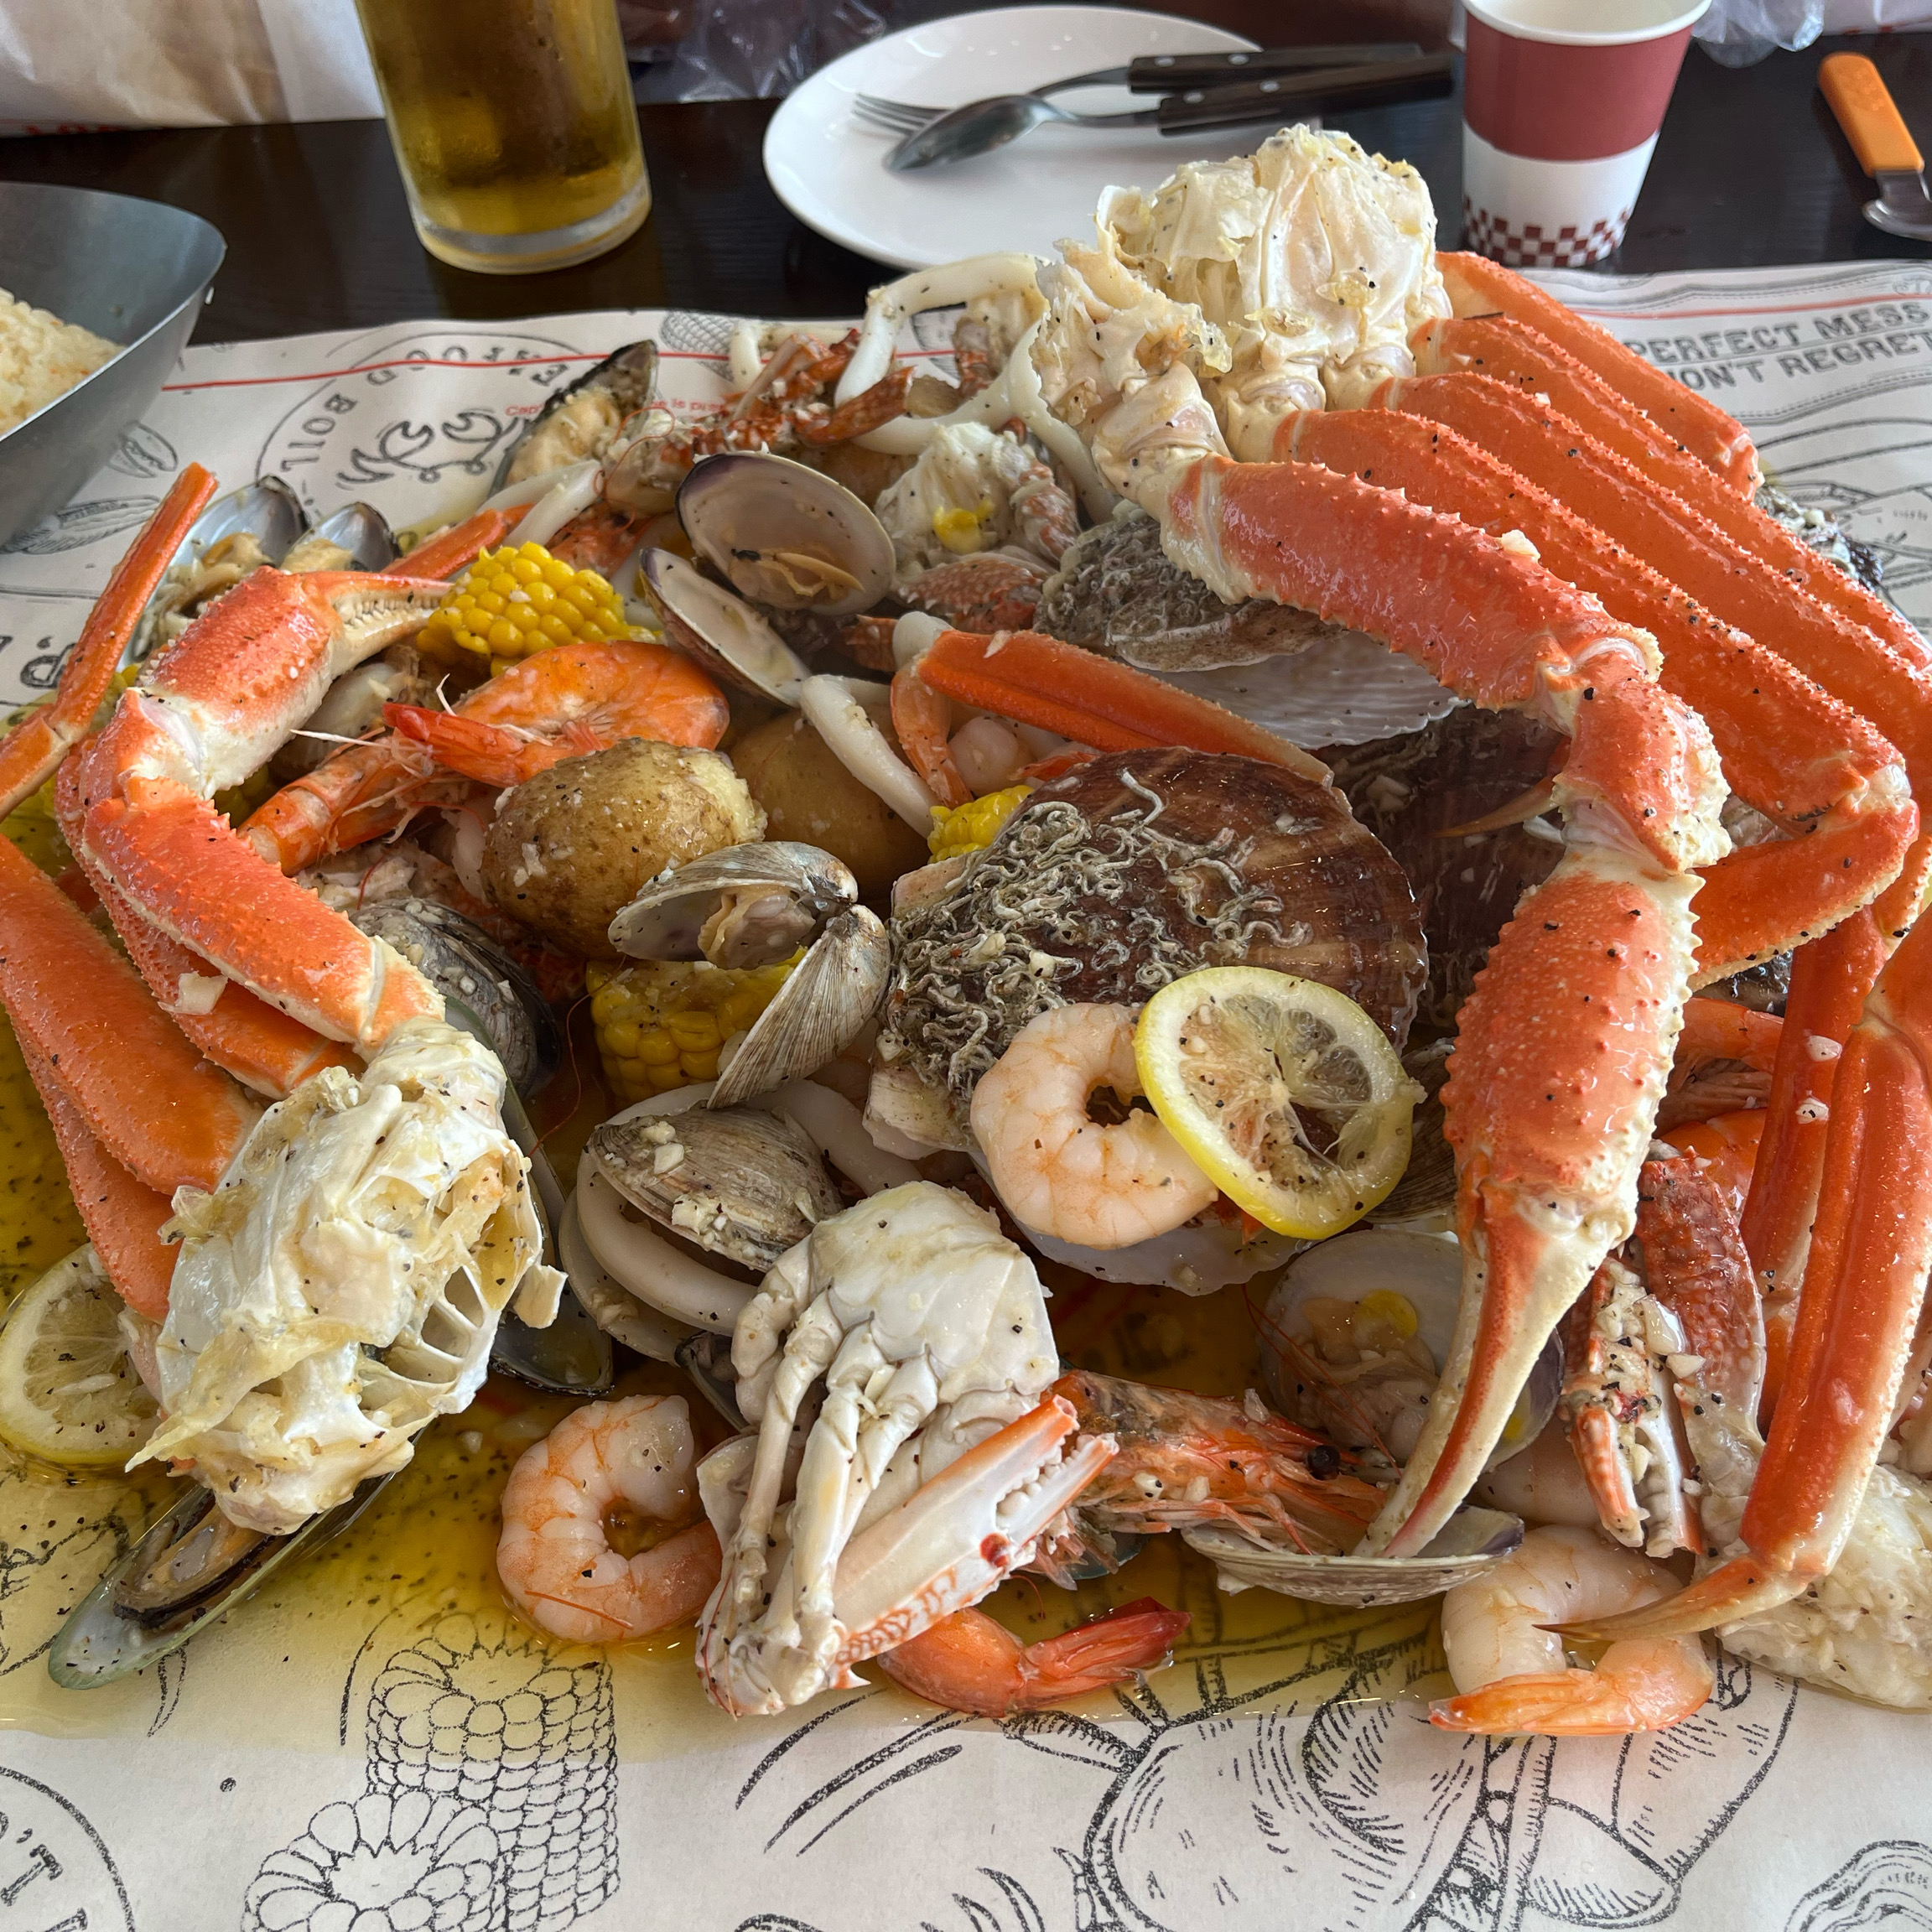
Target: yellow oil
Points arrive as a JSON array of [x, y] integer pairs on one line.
[[511, 118]]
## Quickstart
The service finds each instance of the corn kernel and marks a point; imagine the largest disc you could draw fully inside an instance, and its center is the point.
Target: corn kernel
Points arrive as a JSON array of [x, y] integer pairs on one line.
[[967, 828], [510, 603], [659, 1024]]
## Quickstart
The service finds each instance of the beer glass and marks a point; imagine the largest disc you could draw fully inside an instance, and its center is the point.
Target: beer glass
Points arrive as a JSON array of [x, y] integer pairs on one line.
[[513, 127]]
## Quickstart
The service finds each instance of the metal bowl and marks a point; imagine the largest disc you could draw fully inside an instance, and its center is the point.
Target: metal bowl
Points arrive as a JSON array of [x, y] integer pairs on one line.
[[135, 272]]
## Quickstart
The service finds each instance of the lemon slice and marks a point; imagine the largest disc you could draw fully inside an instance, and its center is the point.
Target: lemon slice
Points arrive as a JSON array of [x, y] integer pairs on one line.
[[68, 1390], [1287, 1095]]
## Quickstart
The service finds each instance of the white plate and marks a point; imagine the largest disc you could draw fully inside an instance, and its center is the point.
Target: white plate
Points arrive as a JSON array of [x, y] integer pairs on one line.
[[827, 167]]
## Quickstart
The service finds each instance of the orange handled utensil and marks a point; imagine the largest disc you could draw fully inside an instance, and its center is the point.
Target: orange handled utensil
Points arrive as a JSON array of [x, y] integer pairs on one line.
[[1883, 142]]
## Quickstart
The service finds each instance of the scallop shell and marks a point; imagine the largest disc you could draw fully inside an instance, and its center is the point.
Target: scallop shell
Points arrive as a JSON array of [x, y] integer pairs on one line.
[[1426, 1192], [722, 631], [1471, 1541], [785, 535], [831, 992], [738, 1183], [775, 896]]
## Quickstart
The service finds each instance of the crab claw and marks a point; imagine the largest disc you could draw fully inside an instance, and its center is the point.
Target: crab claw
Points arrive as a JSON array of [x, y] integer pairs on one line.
[[1742, 1588]]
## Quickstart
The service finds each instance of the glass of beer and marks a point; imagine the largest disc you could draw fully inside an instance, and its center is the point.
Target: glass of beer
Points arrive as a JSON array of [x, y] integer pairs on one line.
[[513, 127]]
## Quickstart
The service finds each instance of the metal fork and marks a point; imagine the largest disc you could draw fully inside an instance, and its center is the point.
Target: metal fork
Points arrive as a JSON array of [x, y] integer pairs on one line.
[[903, 117]]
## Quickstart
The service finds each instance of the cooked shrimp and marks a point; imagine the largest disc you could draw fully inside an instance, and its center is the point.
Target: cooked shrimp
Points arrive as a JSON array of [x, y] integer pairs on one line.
[[921, 720], [967, 1662], [1509, 1669], [1060, 1170], [603, 1470], [562, 703]]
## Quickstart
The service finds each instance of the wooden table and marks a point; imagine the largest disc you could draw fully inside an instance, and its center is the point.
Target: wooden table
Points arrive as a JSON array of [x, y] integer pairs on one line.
[[1750, 169]]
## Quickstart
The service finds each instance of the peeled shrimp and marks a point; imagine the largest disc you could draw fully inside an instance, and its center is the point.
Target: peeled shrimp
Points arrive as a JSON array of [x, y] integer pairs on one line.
[[562, 703], [1510, 1673], [605, 1464], [1058, 1169], [967, 1662]]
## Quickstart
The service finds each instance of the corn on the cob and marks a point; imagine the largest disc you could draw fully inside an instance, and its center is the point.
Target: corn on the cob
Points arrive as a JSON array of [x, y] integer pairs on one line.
[[511, 603], [660, 1023], [967, 828]]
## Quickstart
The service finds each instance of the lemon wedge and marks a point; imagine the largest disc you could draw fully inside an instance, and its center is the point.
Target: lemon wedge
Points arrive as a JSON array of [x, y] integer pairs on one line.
[[69, 1392], [1283, 1092]]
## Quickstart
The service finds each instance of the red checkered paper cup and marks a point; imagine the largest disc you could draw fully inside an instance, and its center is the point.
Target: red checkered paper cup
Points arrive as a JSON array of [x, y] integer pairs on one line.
[[1561, 102]]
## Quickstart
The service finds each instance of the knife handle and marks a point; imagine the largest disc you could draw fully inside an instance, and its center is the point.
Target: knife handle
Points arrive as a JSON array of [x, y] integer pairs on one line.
[[1289, 94], [1872, 121], [1162, 73]]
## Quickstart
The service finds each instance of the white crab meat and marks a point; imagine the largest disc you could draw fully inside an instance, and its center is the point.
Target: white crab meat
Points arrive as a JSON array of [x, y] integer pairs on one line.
[[927, 1329], [971, 491], [341, 1286]]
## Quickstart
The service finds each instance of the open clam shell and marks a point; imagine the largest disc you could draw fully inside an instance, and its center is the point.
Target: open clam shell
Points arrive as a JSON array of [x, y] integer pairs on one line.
[[738, 1183], [1376, 1404], [833, 991], [464, 963], [741, 906], [356, 537], [722, 631], [582, 418], [1471, 1541], [785, 535]]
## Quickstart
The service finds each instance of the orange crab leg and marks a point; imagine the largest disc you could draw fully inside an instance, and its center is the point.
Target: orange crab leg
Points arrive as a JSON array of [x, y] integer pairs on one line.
[[31, 750], [460, 545], [1829, 980], [1856, 668], [1528, 361], [1723, 1030], [1042, 681], [123, 1217], [1864, 1284], [1562, 1049], [1802, 758], [157, 1106], [1727, 1144], [1477, 287]]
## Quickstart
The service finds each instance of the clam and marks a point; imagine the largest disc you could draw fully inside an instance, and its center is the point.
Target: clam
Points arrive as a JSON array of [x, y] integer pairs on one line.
[[785, 535], [1472, 1541], [1355, 1335], [581, 419], [721, 631], [828, 996], [236, 533], [742, 905], [465, 964], [739, 1183], [356, 537]]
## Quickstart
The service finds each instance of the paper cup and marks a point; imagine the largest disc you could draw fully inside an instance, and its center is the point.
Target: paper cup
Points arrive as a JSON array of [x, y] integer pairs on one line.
[[1561, 102]]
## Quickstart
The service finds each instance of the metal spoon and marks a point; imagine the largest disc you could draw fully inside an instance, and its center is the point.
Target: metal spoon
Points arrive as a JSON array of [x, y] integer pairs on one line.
[[981, 126]]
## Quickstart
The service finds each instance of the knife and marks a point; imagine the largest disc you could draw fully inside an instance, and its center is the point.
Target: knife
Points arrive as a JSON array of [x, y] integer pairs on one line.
[[1368, 85], [1883, 142], [1162, 73]]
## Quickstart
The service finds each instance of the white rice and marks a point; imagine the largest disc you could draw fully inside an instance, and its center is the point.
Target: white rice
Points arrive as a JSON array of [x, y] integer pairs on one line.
[[42, 357]]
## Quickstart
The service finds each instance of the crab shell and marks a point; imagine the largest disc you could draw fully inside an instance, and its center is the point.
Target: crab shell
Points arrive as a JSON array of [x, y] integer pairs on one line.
[[785, 535]]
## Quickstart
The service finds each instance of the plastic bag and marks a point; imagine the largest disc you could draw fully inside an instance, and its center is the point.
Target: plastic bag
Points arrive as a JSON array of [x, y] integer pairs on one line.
[[1735, 33], [757, 48]]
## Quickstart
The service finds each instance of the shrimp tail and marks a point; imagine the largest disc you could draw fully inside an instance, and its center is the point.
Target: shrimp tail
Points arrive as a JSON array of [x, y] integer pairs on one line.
[[493, 753], [1638, 1686], [967, 1662]]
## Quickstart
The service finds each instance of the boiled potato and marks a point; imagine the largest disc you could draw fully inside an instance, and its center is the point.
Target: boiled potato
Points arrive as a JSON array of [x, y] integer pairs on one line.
[[809, 796], [573, 844]]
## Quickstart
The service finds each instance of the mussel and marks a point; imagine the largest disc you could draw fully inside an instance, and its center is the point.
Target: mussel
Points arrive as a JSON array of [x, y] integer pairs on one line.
[[255, 525], [742, 905], [785, 535], [1355, 1335], [751, 905], [582, 418], [722, 631], [464, 963]]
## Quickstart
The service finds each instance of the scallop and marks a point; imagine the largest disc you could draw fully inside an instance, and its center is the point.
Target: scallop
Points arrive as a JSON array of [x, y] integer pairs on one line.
[[721, 631], [739, 1183], [828, 996], [743, 905], [1472, 1541], [785, 535], [1355, 1335]]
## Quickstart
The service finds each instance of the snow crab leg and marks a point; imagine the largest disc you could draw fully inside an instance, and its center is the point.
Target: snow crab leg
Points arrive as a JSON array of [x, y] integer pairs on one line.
[[35, 746], [1478, 287]]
